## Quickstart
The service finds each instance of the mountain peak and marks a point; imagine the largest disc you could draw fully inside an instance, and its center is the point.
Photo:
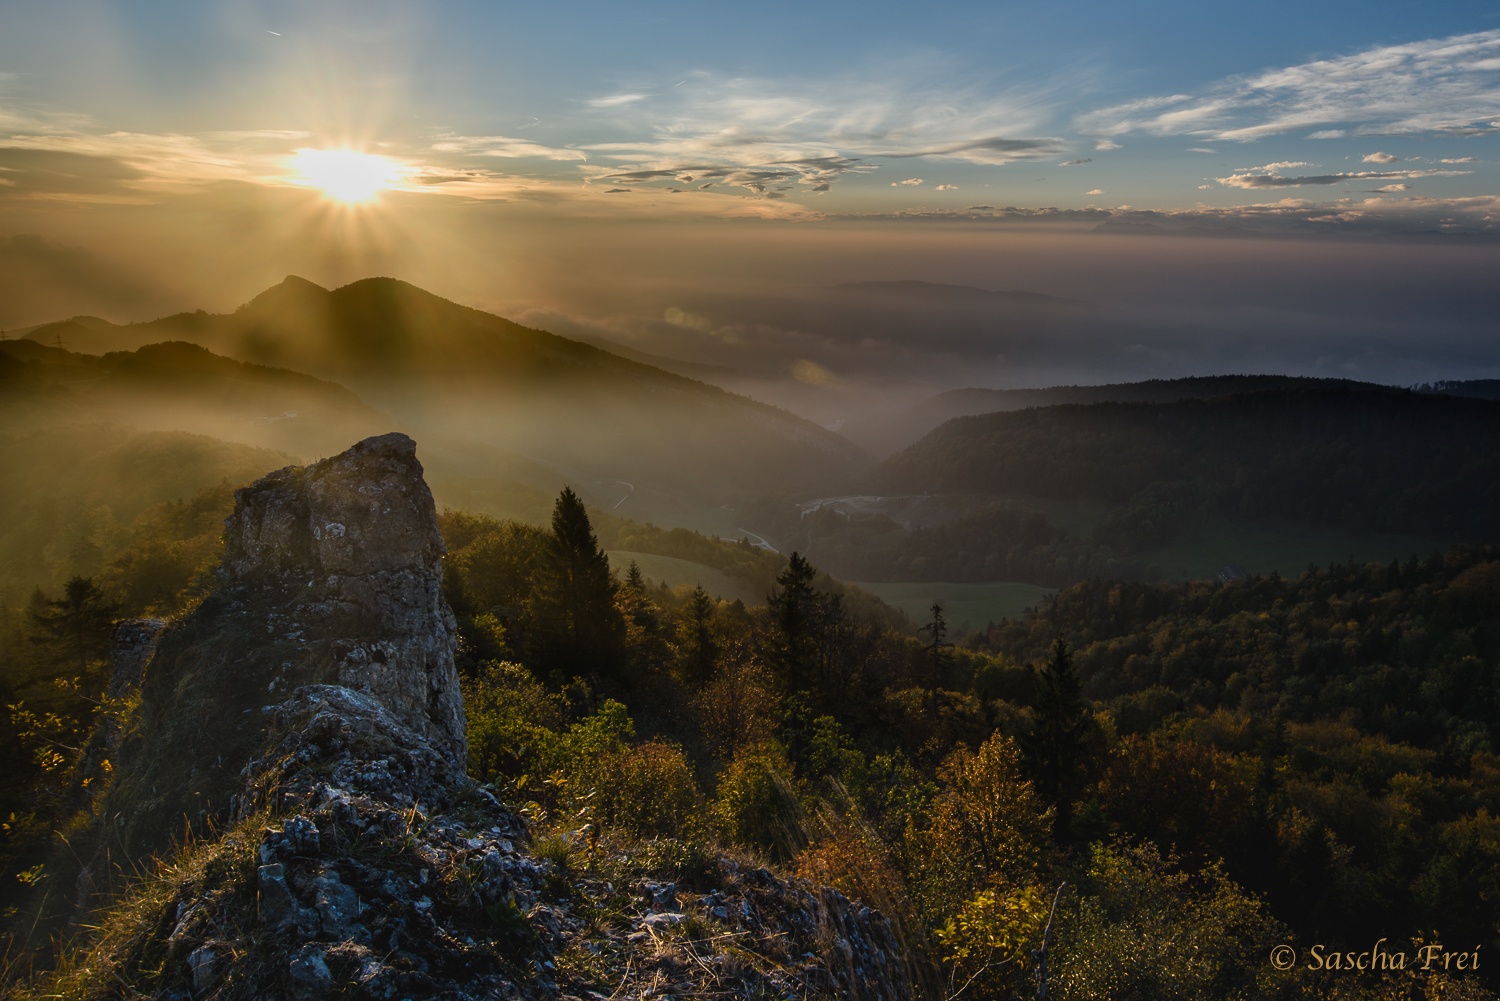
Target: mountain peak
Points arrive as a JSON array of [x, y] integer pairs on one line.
[[292, 290]]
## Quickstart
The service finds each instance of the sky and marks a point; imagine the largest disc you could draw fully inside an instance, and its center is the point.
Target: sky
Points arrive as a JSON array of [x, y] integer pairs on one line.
[[1310, 187]]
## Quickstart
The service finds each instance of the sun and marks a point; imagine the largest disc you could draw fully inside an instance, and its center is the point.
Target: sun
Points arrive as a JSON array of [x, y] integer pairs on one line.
[[345, 175]]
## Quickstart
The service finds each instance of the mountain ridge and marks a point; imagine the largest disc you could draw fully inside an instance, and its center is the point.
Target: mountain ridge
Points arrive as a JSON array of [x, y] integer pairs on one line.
[[439, 365]]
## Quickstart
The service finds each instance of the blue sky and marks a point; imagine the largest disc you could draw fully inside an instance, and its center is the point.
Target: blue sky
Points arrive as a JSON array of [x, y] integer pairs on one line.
[[832, 108], [592, 167]]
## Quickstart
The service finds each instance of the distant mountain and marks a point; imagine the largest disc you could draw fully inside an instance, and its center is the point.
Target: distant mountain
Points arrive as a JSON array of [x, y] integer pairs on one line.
[[181, 386], [1382, 459], [437, 366], [891, 433]]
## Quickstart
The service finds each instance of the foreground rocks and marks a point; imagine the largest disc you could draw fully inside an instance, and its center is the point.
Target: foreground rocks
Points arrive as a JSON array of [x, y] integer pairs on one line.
[[311, 703], [352, 896], [332, 576]]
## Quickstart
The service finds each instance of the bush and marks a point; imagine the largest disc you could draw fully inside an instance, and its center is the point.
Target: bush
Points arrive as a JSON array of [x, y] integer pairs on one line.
[[1143, 930], [757, 805], [988, 830], [987, 941], [648, 790]]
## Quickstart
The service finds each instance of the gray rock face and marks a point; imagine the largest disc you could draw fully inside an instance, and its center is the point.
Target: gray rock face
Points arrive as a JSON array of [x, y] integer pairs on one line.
[[357, 534], [130, 650], [327, 641]]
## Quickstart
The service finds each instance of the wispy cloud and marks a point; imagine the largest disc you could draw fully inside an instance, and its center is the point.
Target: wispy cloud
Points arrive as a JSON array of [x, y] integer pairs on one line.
[[1372, 216], [615, 100], [503, 146], [785, 135], [1381, 158], [1277, 181], [1074, 163], [1461, 159], [1434, 86]]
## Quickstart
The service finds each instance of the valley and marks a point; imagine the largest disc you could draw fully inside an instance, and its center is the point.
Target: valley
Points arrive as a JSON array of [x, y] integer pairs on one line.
[[686, 618]]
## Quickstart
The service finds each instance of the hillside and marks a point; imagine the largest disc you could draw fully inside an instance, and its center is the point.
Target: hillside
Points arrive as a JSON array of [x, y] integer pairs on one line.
[[890, 433], [71, 494], [1387, 460], [439, 366], [181, 386]]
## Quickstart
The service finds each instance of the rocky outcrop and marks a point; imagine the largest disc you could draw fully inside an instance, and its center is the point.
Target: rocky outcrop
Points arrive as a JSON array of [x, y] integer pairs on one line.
[[332, 579], [130, 650], [360, 530], [312, 703]]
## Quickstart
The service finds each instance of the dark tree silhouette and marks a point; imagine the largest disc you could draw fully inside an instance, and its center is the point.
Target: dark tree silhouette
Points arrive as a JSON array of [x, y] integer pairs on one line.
[[698, 649], [586, 629], [938, 656], [1062, 725], [77, 629]]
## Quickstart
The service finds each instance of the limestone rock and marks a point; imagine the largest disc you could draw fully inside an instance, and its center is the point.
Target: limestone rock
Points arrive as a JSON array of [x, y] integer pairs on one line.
[[329, 621], [360, 531], [130, 650]]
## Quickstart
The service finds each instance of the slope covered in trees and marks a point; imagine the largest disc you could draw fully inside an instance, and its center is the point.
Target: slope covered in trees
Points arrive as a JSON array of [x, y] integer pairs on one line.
[[176, 386], [436, 365], [1384, 460], [892, 432], [1209, 769]]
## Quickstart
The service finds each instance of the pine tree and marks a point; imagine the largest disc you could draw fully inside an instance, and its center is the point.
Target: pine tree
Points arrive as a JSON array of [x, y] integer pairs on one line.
[[698, 649], [790, 655], [938, 657], [1061, 727], [586, 631], [77, 628], [810, 643]]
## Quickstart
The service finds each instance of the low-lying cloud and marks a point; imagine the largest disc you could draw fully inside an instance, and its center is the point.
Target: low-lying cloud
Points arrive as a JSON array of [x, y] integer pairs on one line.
[[1278, 181]]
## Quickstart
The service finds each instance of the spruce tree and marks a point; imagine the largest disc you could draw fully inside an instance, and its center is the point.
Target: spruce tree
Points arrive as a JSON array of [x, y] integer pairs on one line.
[[791, 653], [698, 650], [938, 657], [585, 629], [77, 628], [1060, 730]]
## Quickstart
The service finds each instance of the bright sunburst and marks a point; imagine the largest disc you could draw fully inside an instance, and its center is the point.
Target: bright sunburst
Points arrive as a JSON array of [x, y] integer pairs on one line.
[[346, 175]]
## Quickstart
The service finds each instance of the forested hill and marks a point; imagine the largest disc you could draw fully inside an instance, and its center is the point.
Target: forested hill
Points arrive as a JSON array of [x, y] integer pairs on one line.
[[1386, 460], [886, 434], [439, 366], [175, 386]]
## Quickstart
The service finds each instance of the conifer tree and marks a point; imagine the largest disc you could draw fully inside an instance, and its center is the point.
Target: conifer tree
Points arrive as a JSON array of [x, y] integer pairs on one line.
[[698, 649], [938, 657], [587, 631], [77, 628], [1061, 727], [790, 655]]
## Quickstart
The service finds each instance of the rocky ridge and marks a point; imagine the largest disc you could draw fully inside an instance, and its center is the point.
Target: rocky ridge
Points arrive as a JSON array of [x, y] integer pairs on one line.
[[361, 861]]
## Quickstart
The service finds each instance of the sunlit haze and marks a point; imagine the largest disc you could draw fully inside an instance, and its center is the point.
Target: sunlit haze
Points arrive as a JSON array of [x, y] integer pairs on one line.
[[1236, 196], [345, 175]]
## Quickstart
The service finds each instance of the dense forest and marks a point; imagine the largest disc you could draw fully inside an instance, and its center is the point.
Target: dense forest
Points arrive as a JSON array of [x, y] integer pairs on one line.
[[1385, 460], [1348, 458], [1210, 770]]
